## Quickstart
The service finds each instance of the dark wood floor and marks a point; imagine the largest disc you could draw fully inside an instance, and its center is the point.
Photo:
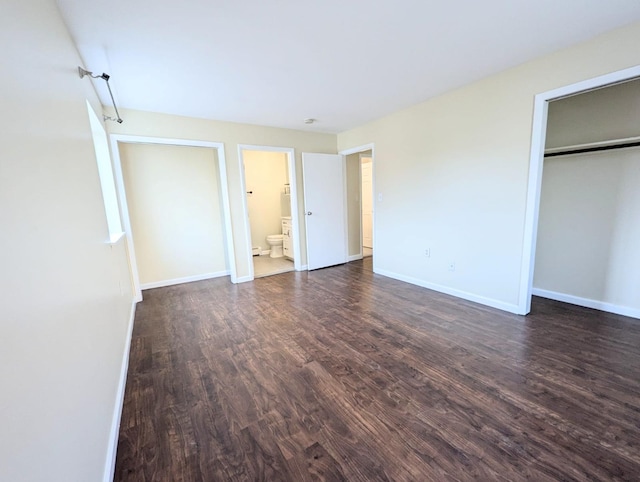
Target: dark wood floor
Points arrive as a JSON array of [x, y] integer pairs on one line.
[[340, 374]]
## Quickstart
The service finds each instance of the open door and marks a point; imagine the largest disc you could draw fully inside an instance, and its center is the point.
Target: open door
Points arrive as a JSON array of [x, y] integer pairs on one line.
[[325, 210]]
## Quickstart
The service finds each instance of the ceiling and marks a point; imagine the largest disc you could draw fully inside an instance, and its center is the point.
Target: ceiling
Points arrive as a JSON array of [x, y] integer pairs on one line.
[[342, 62]]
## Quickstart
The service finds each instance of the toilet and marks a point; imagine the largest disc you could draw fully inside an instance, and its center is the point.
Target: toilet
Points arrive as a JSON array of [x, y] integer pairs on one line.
[[275, 243]]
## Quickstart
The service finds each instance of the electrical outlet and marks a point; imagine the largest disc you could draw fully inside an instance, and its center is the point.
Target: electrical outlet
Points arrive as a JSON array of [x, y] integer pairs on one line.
[[427, 252], [452, 265]]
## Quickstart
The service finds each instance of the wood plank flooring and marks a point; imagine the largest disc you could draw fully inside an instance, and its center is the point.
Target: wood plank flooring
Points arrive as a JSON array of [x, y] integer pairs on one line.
[[340, 374]]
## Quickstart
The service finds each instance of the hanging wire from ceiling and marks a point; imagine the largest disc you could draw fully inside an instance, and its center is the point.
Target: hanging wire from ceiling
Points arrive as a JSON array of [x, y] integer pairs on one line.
[[82, 72]]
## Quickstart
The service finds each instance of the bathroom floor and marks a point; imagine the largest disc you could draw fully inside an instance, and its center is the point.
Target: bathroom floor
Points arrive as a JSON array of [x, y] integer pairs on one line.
[[266, 266]]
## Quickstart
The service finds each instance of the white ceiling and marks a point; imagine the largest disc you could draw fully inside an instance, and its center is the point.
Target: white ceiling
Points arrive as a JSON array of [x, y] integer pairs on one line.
[[343, 62]]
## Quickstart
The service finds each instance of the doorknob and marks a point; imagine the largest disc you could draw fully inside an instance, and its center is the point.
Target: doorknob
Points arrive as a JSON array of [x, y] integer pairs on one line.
[[309, 213]]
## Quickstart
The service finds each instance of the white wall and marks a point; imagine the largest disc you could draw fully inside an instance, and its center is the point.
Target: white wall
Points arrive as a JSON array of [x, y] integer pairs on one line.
[[266, 173], [66, 294], [623, 281], [589, 228], [453, 173], [149, 124], [175, 209]]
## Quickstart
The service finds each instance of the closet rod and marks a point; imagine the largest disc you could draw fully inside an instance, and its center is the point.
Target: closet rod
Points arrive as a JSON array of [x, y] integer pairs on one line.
[[592, 149]]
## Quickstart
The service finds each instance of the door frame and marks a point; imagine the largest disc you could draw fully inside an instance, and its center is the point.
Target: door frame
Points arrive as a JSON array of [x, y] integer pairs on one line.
[[293, 185], [360, 150], [536, 163], [115, 140]]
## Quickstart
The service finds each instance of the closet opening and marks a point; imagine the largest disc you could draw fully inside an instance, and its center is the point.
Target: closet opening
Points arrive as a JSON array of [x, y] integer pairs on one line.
[[583, 211], [175, 210]]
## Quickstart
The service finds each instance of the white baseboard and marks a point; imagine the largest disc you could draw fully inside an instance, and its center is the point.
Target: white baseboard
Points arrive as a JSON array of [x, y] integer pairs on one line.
[[587, 303], [188, 279], [304, 267], [354, 257], [501, 305], [265, 252], [112, 447], [243, 279]]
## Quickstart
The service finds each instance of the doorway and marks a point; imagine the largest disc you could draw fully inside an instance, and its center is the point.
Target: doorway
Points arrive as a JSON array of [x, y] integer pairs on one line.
[[270, 209], [538, 143], [366, 189], [216, 151], [589, 222], [360, 168]]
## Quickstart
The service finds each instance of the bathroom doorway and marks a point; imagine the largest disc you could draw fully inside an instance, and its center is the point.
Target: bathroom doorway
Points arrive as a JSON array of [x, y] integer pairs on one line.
[[270, 209]]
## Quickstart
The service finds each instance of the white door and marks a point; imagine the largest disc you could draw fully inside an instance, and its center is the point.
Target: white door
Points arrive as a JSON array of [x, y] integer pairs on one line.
[[367, 205], [324, 208]]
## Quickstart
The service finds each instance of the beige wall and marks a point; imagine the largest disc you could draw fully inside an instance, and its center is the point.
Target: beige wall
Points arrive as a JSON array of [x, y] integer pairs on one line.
[[231, 134], [353, 203], [589, 228], [66, 294], [266, 173], [601, 115], [173, 195], [453, 173]]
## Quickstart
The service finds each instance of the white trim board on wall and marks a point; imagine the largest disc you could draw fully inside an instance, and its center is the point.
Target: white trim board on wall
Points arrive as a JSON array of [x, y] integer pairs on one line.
[[222, 171], [187, 279], [465, 295], [536, 163], [110, 465], [587, 303]]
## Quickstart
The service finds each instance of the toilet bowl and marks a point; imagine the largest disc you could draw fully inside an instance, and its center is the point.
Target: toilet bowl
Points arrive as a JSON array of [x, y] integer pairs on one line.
[[275, 243]]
